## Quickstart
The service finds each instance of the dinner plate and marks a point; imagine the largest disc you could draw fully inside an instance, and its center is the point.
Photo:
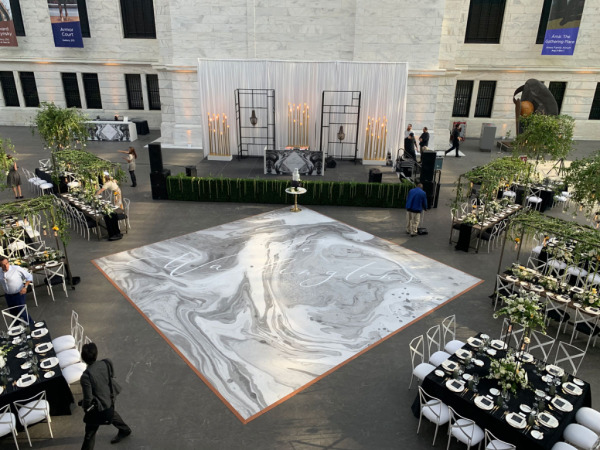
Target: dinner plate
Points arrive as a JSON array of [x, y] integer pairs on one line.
[[38, 267], [484, 336], [578, 382], [38, 324], [26, 380], [555, 370], [439, 373], [525, 357], [537, 288], [577, 305], [491, 352], [547, 378], [475, 342], [39, 332], [21, 355], [484, 403], [526, 409], [43, 348], [536, 434], [571, 388], [449, 365], [463, 354], [467, 376], [516, 420], [498, 344], [547, 419], [478, 362], [540, 393], [49, 374], [577, 290], [14, 331], [455, 385], [17, 340], [494, 391], [51, 263], [563, 298], [49, 362], [561, 404], [512, 279], [592, 310], [26, 365]]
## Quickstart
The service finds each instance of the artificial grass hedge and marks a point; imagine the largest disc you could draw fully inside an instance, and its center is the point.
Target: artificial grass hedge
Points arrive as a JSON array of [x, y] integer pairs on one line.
[[273, 191]]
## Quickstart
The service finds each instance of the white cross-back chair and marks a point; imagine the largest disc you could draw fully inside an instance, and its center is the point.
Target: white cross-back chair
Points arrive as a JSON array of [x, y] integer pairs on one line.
[[15, 316], [434, 341], [55, 276], [536, 264], [492, 237], [67, 341], [569, 357], [493, 443], [72, 355], [451, 344], [541, 345], [579, 273], [586, 323], [34, 410], [533, 198], [581, 437], [557, 311], [45, 164], [8, 423], [125, 221], [434, 410], [420, 369], [515, 335], [17, 244], [504, 287], [464, 430], [510, 194], [555, 267]]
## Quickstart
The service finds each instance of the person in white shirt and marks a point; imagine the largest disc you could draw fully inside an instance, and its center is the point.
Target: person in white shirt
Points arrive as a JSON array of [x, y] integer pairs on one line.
[[408, 130], [14, 281], [111, 185]]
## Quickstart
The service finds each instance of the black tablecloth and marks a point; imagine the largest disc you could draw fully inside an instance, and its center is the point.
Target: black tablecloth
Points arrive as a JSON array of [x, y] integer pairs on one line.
[[495, 422], [47, 177], [141, 125], [464, 237], [57, 390], [546, 194]]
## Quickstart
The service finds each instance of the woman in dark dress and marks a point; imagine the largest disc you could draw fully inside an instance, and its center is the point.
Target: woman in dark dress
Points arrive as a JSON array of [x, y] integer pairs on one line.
[[13, 179]]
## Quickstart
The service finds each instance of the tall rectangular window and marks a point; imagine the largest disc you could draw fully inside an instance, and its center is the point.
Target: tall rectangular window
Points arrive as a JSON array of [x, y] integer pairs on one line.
[[485, 99], [138, 19], [71, 89], [83, 19], [30, 93], [133, 83], [484, 24], [92, 90], [153, 91], [558, 88], [15, 6], [541, 34], [462, 98], [9, 89], [595, 111]]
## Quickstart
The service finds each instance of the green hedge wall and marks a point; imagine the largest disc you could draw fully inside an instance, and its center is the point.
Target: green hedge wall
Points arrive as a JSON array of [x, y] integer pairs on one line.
[[273, 191]]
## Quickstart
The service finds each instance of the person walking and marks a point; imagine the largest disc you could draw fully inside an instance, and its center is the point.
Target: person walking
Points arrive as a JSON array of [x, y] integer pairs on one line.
[[416, 202], [455, 138], [14, 281], [130, 158], [99, 397], [410, 145], [13, 178]]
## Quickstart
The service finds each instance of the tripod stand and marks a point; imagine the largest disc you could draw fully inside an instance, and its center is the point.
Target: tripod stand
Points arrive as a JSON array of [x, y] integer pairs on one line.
[[559, 166]]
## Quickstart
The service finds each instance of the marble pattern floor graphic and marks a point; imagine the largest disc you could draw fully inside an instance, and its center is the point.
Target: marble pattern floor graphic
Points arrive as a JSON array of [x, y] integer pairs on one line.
[[262, 307]]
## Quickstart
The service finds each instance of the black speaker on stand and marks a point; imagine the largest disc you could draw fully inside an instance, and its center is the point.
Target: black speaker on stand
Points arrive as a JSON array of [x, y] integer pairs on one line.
[[375, 176], [428, 165], [158, 175]]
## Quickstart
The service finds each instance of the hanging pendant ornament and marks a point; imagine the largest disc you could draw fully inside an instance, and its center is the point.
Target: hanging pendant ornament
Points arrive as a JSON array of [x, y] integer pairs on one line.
[[341, 135], [253, 118]]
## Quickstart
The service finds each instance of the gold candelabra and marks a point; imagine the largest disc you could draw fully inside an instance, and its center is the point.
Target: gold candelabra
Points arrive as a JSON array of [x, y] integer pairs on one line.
[[298, 119], [218, 135], [376, 138]]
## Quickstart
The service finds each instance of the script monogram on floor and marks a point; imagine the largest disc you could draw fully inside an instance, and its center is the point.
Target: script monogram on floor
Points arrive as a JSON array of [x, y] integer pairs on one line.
[[265, 305]]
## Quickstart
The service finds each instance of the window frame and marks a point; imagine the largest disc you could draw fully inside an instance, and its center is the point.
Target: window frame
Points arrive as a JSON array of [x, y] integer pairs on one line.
[[29, 89], [92, 78], [153, 92], [17, 17], [71, 102], [556, 84], [543, 26], [138, 19], [133, 101], [84, 21], [595, 108], [481, 100], [481, 31], [11, 89], [468, 96]]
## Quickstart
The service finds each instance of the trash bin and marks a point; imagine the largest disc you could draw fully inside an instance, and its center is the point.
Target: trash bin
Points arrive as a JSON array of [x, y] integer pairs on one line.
[[488, 137], [191, 171], [375, 176]]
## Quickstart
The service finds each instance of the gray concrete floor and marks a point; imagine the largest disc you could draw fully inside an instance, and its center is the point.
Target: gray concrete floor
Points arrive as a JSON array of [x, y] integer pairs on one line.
[[363, 405]]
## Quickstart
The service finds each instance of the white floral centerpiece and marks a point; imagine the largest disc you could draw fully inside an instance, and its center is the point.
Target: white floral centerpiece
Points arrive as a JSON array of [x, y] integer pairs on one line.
[[524, 309], [509, 373]]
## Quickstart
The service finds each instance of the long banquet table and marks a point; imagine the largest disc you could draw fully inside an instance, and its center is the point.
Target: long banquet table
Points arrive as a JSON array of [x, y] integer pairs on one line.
[[57, 390], [494, 420]]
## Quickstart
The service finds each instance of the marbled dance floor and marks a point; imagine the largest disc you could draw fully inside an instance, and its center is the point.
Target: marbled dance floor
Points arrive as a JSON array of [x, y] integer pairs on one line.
[[264, 306]]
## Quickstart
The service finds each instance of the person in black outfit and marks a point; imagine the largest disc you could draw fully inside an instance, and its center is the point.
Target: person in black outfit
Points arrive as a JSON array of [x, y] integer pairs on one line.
[[97, 388], [455, 140], [424, 139], [410, 146]]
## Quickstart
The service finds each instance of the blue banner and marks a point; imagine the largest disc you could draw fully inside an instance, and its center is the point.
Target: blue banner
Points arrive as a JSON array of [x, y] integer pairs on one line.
[[64, 16], [563, 27]]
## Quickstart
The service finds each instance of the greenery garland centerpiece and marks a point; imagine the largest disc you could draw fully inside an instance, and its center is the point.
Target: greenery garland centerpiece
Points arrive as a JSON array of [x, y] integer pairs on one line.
[[523, 309], [509, 373], [589, 298]]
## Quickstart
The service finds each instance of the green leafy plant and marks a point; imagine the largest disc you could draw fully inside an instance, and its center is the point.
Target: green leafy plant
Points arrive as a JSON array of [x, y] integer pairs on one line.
[[584, 182], [545, 137], [524, 309], [61, 128]]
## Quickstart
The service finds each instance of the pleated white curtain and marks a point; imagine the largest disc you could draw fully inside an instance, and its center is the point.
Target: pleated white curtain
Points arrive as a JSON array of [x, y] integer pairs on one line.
[[383, 88]]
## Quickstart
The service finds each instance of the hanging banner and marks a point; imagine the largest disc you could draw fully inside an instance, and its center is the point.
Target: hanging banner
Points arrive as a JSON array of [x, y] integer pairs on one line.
[[563, 27], [8, 37], [64, 16]]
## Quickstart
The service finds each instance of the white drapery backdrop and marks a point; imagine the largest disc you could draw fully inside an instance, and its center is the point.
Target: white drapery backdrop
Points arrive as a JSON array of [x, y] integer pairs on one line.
[[383, 88]]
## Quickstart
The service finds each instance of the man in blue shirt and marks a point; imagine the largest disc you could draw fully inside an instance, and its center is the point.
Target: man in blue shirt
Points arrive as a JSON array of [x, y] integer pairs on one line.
[[415, 203]]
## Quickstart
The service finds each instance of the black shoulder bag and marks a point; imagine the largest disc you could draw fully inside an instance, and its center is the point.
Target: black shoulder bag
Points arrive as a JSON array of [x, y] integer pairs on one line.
[[104, 417]]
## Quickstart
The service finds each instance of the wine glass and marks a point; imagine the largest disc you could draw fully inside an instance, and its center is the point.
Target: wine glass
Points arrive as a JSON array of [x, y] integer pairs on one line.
[[505, 398], [475, 383]]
